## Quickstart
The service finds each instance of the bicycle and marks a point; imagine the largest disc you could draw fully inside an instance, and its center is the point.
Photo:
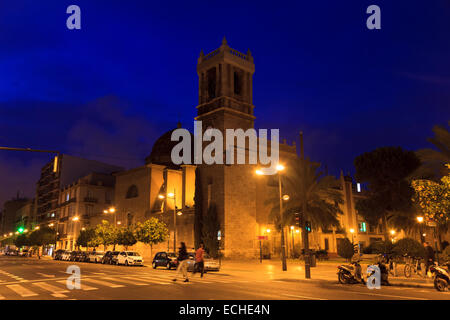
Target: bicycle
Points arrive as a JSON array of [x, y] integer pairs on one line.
[[413, 265]]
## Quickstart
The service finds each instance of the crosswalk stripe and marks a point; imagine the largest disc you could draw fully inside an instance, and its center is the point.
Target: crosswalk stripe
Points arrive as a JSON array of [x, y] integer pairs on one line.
[[137, 283], [103, 283], [84, 287], [46, 275], [24, 292], [148, 280], [49, 287]]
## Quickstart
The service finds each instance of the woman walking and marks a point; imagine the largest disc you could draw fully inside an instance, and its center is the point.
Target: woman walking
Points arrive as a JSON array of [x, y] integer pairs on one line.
[[183, 259]]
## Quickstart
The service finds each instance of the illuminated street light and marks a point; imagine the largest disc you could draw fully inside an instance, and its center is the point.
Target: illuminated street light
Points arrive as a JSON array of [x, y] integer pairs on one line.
[[285, 197], [352, 230], [268, 230], [161, 196], [112, 210], [280, 167], [297, 231], [259, 172], [171, 195], [420, 219], [36, 228], [292, 227], [76, 218], [179, 213], [25, 231], [105, 211], [392, 232], [119, 223], [51, 224], [83, 228], [10, 233]]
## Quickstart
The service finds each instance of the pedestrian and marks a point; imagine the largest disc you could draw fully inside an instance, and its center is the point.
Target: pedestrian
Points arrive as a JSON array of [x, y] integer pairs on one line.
[[183, 259], [429, 256], [199, 260]]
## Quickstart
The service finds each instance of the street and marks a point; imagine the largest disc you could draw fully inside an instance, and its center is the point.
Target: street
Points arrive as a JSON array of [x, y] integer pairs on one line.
[[29, 278]]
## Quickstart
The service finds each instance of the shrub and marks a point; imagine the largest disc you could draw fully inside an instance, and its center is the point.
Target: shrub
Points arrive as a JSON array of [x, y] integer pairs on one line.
[[379, 247], [345, 249], [409, 247], [446, 254]]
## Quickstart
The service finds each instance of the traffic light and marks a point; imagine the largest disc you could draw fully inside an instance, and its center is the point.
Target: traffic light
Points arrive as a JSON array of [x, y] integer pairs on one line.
[[20, 230], [308, 226], [298, 219]]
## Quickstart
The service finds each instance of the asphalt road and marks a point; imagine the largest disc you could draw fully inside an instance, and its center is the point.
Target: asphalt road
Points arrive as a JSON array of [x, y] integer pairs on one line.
[[29, 278]]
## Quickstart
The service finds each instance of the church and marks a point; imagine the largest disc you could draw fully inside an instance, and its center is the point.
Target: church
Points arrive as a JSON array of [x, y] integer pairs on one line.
[[167, 191]]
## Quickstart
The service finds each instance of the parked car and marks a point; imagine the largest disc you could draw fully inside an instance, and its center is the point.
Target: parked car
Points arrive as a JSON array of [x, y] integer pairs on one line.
[[96, 256], [130, 258], [165, 259], [110, 257], [65, 256], [58, 254], [73, 255], [81, 256], [23, 253]]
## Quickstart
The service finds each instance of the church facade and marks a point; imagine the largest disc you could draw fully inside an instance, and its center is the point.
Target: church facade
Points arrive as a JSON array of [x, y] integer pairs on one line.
[[167, 191]]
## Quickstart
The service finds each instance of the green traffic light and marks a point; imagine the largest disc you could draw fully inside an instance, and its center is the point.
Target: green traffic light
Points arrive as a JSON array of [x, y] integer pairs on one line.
[[20, 230]]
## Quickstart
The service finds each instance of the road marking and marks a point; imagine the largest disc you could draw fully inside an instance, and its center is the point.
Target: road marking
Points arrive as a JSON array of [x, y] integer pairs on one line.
[[46, 275], [17, 288], [103, 283], [148, 280], [84, 287], [389, 295], [50, 288], [303, 297], [129, 281]]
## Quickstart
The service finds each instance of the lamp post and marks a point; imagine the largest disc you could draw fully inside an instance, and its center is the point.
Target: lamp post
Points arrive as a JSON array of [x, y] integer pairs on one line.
[[292, 236], [172, 195], [111, 210], [352, 231], [75, 219], [281, 198], [422, 236]]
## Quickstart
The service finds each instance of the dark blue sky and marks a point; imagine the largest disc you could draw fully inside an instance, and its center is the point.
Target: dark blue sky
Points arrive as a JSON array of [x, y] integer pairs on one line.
[[107, 91]]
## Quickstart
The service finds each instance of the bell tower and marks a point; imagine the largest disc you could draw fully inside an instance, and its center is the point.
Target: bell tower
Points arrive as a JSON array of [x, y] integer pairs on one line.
[[225, 88]]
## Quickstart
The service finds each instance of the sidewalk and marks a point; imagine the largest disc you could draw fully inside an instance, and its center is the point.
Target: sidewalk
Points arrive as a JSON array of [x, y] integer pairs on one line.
[[325, 271]]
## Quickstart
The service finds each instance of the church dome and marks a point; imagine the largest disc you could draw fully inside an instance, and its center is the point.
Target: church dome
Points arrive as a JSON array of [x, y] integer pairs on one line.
[[162, 150]]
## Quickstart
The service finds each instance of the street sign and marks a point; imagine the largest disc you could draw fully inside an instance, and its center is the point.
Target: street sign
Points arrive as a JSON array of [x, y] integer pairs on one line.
[[263, 237]]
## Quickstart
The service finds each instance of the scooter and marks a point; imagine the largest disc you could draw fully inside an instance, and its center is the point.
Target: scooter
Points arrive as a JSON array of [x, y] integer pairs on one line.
[[346, 273], [441, 276]]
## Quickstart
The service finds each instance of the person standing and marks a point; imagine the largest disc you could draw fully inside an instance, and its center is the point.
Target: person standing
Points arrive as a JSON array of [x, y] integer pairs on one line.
[[183, 259], [429, 256], [199, 260]]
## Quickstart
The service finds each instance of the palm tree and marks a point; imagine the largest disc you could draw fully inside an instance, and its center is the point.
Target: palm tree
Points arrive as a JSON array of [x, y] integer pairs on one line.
[[322, 196], [434, 160]]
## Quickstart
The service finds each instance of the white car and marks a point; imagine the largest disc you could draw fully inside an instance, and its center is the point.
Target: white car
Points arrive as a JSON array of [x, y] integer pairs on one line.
[[65, 256], [130, 258], [95, 256]]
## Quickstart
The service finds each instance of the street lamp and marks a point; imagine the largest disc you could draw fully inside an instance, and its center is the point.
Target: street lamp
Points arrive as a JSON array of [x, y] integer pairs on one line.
[[75, 219], [111, 210], [172, 195], [279, 168], [352, 231], [422, 235]]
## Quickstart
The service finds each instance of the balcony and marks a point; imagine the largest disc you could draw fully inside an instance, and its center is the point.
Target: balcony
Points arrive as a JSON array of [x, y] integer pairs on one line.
[[89, 199]]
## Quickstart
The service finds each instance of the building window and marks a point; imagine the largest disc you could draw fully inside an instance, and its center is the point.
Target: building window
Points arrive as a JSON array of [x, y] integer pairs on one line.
[[211, 75], [67, 196], [362, 227], [327, 245], [90, 195], [89, 209], [237, 83], [132, 192]]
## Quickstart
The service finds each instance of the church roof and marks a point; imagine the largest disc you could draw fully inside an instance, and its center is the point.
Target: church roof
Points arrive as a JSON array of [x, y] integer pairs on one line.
[[162, 150]]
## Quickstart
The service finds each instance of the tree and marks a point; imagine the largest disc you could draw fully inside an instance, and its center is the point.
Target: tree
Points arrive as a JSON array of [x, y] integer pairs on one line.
[[41, 237], [105, 233], [322, 198], [433, 199], [125, 237], [385, 170], [211, 227], [345, 249], [151, 232], [85, 237], [434, 160], [21, 240]]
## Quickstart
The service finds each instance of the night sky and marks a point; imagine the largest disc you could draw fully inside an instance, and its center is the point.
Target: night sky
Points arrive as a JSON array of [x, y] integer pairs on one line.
[[109, 90]]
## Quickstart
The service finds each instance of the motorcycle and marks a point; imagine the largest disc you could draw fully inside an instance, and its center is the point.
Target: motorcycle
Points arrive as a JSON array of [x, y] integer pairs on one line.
[[441, 276], [347, 273], [384, 271]]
